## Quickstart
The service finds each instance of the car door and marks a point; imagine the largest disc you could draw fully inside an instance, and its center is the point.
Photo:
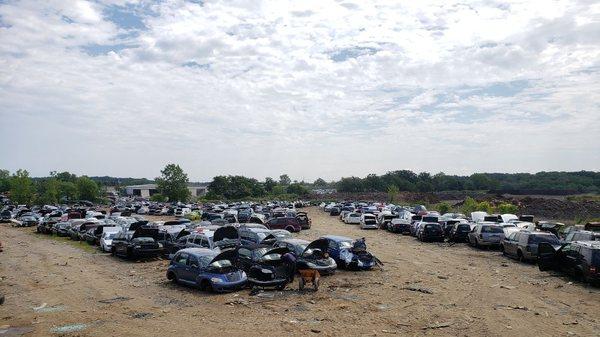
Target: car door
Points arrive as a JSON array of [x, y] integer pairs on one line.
[[182, 269], [193, 268], [548, 257]]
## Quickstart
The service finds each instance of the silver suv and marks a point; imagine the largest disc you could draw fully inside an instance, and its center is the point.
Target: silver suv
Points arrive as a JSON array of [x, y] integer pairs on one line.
[[486, 234]]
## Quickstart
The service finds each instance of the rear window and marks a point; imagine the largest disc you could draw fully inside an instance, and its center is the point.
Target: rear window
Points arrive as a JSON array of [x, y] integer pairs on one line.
[[543, 238], [465, 227], [492, 229]]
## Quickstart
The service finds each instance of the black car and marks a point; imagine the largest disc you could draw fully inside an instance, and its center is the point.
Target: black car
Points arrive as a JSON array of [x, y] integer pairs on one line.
[[140, 243], [582, 236], [305, 222], [580, 259], [310, 255], [61, 229], [459, 232], [335, 211], [264, 266], [431, 232], [5, 216]]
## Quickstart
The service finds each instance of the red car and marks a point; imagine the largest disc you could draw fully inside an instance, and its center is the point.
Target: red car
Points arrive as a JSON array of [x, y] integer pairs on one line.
[[289, 224]]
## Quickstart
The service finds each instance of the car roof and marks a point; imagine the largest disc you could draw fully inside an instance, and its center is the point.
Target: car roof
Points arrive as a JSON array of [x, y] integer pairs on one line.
[[337, 238], [588, 244], [199, 251]]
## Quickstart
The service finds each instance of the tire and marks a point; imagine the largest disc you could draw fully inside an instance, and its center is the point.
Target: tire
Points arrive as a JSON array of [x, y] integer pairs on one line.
[[205, 286], [172, 277], [520, 256], [316, 283], [113, 251], [301, 283], [502, 250]]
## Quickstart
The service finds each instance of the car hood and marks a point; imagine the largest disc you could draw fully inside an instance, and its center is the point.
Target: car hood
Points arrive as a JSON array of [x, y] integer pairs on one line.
[[320, 244], [228, 254], [226, 232], [145, 232], [278, 250]]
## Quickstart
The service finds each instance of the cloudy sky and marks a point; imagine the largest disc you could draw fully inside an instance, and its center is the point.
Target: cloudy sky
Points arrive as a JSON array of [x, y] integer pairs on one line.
[[309, 88]]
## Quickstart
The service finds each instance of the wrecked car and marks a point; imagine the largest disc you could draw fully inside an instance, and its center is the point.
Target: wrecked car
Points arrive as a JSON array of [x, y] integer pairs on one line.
[[139, 243], [207, 269], [310, 255], [305, 222], [265, 267], [579, 259], [523, 245], [350, 254]]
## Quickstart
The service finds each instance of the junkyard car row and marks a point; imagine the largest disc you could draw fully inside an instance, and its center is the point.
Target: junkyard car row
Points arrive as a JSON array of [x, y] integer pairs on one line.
[[574, 250], [226, 247]]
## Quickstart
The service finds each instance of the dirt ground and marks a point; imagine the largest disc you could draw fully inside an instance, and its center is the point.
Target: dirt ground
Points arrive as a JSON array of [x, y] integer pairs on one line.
[[52, 287]]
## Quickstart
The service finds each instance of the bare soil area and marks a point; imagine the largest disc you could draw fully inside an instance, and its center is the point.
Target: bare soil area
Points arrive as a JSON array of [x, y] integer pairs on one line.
[[53, 287]]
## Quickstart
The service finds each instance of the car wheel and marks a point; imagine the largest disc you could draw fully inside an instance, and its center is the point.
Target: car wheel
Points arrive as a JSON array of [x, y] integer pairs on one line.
[[520, 256], [281, 287], [113, 251], [502, 250], [301, 283], [205, 285], [316, 283], [476, 243], [172, 277]]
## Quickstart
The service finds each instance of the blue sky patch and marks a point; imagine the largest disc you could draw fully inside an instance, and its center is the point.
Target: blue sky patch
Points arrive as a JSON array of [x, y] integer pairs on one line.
[[101, 49], [342, 55], [126, 17]]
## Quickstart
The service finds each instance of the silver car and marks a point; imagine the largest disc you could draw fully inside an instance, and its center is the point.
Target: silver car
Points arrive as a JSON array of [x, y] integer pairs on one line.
[[486, 234]]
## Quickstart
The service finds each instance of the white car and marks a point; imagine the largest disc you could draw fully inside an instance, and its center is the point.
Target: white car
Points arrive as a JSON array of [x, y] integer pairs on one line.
[[352, 218], [368, 221], [107, 236]]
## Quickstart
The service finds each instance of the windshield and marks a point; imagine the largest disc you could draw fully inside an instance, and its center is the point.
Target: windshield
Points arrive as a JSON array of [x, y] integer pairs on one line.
[[345, 244], [110, 235], [492, 229], [543, 238], [143, 240], [221, 264], [464, 228]]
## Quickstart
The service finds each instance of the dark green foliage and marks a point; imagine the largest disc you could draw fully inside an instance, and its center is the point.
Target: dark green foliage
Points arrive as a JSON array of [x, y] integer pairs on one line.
[[235, 187], [577, 182], [87, 189], [173, 183]]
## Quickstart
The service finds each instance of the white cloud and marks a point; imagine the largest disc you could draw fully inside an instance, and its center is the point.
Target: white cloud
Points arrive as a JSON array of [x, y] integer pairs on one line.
[[311, 88]]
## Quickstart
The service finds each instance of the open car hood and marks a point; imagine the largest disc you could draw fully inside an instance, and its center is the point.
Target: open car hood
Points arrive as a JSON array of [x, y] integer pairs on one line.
[[226, 233], [278, 250], [228, 254], [145, 232], [320, 244], [182, 233], [134, 226]]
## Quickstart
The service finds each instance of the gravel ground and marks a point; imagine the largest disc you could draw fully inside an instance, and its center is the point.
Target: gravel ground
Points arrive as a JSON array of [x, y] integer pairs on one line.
[[54, 287]]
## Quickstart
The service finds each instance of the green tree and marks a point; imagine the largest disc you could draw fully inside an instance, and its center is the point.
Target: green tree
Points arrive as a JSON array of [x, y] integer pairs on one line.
[[67, 190], [392, 193], [352, 184], [173, 183], [269, 184], [278, 190], [48, 192], [443, 208], [506, 207], [284, 180], [320, 183], [87, 189], [469, 205], [297, 189], [4, 181], [158, 197], [21, 187]]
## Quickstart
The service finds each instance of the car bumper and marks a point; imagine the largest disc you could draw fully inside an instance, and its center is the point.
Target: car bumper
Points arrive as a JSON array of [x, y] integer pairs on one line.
[[146, 252], [369, 227], [229, 286], [269, 283]]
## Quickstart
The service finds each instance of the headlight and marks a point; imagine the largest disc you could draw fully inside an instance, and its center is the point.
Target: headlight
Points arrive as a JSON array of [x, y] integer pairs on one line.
[[266, 271], [215, 280], [137, 247], [160, 245]]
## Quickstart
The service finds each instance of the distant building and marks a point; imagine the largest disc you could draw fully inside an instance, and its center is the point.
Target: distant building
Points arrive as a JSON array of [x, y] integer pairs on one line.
[[147, 190]]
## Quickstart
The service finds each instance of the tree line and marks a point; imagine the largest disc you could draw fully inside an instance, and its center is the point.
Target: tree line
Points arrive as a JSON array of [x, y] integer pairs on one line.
[[57, 188], [405, 180]]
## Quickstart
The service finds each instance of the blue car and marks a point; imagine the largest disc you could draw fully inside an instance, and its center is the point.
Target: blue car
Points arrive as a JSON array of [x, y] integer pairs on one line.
[[349, 253], [207, 269]]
